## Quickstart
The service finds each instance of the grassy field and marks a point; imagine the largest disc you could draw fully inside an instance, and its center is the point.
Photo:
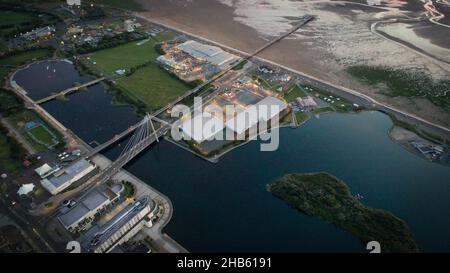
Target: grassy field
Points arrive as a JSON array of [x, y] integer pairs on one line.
[[295, 93], [15, 18], [405, 83], [126, 56], [7, 63], [9, 103], [18, 121], [7, 163], [13, 22], [121, 4], [148, 86], [11, 152], [341, 105], [4, 71], [42, 135], [323, 110], [322, 195], [25, 57], [153, 86], [301, 117]]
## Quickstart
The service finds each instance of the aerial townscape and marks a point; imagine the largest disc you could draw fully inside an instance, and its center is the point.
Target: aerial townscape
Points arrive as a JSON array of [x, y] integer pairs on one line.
[[181, 126]]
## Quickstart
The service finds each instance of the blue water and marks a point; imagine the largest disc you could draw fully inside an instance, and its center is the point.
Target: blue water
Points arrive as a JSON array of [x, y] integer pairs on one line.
[[225, 207], [41, 82]]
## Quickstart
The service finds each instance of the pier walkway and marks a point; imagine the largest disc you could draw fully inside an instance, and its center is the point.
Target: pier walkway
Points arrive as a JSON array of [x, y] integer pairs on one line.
[[69, 90]]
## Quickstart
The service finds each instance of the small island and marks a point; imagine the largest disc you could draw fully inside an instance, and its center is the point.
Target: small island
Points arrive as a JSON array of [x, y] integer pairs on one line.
[[320, 194]]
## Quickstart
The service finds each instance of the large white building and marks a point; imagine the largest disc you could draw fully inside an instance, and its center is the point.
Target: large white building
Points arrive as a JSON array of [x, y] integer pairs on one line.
[[121, 228], [202, 126], [265, 110], [83, 212], [62, 179], [212, 54]]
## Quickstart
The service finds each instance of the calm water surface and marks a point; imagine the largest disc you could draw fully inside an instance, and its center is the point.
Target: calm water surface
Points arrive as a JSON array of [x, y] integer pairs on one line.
[[225, 207]]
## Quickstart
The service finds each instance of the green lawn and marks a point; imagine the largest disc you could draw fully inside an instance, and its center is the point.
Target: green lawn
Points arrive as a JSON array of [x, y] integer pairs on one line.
[[149, 85], [7, 163], [42, 135], [18, 121], [301, 117], [405, 83], [15, 18], [153, 86], [25, 57], [21, 59], [129, 189], [340, 104], [9, 103], [121, 4], [323, 110], [125, 56], [295, 93]]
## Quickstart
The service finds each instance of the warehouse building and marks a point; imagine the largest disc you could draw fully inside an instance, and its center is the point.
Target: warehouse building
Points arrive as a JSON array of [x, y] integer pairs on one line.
[[264, 110], [83, 212], [212, 54], [121, 228], [62, 179], [201, 127]]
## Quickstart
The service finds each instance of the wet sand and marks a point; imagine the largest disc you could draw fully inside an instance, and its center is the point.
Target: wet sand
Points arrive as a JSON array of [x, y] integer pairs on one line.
[[341, 37]]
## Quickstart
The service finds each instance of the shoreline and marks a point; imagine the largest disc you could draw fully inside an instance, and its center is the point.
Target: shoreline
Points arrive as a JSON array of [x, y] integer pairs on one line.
[[323, 195], [99, 158], [369, 101]]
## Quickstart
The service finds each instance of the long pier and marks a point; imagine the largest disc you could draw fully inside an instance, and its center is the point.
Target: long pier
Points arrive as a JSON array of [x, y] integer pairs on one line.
[[339, 89], [154, 115], [69, 90], [306, 19]]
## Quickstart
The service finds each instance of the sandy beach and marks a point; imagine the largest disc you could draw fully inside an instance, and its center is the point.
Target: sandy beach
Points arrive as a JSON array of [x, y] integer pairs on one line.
[[339, 37]]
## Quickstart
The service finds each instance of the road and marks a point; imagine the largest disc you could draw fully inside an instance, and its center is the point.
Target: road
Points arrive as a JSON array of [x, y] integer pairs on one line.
[[30, 226], [442, 130]]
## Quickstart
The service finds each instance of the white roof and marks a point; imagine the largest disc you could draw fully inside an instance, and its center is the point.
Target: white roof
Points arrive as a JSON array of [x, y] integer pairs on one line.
[[44, 169], [202, 127], [25, 189], [67, 175], [307, 101], [212, 54], [264, 110], [273, 105]]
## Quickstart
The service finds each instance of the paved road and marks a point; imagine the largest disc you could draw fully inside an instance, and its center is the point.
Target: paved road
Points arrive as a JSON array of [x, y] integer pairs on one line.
[[20, 216]]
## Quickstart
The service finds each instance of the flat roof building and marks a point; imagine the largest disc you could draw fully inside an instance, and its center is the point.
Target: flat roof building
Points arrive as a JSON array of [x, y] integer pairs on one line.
[[212, 54], [80, 215], [62, 179], [122, 227], [43, 170], [202, 126], [307, 102], [264, 110], [39, 33]]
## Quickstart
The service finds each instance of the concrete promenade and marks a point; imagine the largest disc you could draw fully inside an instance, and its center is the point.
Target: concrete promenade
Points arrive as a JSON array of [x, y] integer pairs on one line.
[[163, 241]]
